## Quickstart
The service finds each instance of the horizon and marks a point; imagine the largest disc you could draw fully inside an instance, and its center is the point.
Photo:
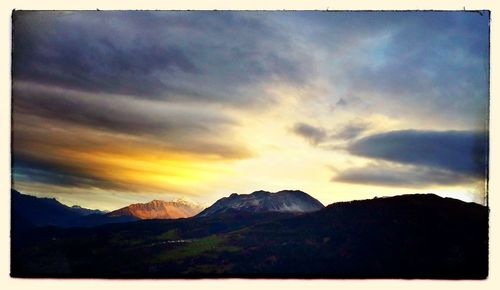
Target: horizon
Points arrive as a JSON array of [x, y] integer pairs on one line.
[[115, 108]]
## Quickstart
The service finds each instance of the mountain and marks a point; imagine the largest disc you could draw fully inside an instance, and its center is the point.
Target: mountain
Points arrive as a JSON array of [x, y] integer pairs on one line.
[[85, 211], [29, 211], [158, 209], [410, 236], [40, 211], [264, 201]]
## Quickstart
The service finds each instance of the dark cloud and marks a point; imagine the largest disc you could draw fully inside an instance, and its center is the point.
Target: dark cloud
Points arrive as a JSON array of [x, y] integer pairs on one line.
[[66, 155], [312, 134], [351, 131], [401, 176], [316, 135], [341, 102], [201, 56], [34, 169], [82, 56], [114, 113], [173, 126], [53, 171], [406, 64], [462, 152]]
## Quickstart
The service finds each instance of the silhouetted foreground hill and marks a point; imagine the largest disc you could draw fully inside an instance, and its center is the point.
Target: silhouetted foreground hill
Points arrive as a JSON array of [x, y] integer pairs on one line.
[[412, 236]]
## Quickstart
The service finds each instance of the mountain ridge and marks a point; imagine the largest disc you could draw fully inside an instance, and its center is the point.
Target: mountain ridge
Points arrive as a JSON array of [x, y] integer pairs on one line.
[[29, 211]]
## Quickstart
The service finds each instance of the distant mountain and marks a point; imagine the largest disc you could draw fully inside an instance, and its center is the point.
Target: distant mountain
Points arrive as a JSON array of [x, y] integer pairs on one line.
[[264, 201], [31, 211], [86, 211], [158, 209], [41, 211]]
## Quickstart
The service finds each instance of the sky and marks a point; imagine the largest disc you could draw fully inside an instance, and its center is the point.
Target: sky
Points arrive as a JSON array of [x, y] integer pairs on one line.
[[113, 108]]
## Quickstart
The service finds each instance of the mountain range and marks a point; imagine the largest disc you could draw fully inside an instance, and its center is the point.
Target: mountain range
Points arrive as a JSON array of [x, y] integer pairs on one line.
[[258, 236], [50, 212], [262, 235]]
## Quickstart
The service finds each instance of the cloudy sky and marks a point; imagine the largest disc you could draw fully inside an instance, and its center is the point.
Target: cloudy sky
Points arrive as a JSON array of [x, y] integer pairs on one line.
[[112, 108]]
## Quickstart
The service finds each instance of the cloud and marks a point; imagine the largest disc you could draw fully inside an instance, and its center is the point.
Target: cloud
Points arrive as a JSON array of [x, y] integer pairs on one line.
[[381, 174], [62, 154], [176, 126], [229, 57], [96, 141], [57, 49], [37, 170], [461, 152], [341, 102], [33, 169], [208, 57], [312, 134], [399, 69], [351, 130], [329, 139]]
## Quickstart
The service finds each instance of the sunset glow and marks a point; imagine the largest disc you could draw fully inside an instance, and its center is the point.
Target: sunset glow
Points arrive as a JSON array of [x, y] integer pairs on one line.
[[112, 108]]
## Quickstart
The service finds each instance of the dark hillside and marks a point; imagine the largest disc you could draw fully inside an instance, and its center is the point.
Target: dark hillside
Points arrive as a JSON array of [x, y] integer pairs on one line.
[[411, 236]]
